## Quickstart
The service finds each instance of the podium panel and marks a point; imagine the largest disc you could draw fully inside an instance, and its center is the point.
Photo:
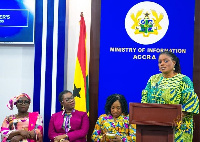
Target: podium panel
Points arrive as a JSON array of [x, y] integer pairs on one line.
[[152, 133], [154, 122]]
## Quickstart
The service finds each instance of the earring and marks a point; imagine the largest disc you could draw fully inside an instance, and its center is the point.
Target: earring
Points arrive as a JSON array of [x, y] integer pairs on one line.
[[174, 68], [63, 108]]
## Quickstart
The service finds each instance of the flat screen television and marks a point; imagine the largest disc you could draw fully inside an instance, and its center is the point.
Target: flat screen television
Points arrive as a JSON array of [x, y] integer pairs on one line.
[[17, 21]]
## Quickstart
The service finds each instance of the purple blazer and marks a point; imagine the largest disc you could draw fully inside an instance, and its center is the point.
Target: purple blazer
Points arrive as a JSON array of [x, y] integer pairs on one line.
[[79, 126]]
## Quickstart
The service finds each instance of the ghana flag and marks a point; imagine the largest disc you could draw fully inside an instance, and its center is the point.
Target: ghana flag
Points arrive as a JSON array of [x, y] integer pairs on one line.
[[81, 90]]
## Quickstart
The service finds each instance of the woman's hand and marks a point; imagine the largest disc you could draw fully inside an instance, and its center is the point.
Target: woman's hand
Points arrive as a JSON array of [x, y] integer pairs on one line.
[[116, 139], [57, 138], [184, 114], [24, 134], [103, 139], [16, 138]]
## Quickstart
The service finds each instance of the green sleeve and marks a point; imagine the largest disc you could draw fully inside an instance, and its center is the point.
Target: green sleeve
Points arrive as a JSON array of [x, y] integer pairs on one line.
[[145, 92], [190, 101]]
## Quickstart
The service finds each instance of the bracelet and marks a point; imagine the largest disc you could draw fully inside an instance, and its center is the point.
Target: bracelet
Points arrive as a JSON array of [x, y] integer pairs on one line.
[[67, 138]]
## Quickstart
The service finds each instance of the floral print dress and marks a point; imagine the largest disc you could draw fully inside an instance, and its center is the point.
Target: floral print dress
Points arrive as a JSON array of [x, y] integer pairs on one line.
[[12, 123], [175, 90], [120, 126]]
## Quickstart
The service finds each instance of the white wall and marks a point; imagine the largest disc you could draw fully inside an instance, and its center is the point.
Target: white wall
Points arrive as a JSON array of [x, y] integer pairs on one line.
[[16, 74]]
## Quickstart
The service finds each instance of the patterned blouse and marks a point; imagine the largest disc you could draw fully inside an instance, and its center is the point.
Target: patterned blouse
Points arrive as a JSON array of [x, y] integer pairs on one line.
[[176, 90], [120, 127], [66, 123], [11, 123]]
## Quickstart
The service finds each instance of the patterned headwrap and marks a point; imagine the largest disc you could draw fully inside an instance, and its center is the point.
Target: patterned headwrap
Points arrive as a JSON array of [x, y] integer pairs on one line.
[[13, 101]]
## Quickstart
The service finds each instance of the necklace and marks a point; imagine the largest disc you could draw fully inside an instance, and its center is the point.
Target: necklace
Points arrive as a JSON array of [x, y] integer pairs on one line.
[[22, 118]]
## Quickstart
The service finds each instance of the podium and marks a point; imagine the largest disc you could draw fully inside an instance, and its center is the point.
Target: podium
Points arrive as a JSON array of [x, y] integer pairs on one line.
[[154, 122]]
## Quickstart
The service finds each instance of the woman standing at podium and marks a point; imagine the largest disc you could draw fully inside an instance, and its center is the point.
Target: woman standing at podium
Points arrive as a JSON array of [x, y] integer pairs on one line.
[[172, 87]]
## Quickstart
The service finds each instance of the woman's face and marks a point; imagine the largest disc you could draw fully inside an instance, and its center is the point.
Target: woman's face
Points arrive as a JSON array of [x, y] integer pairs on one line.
[[166, 64], [23, 104], [68, 101], [116, 109]]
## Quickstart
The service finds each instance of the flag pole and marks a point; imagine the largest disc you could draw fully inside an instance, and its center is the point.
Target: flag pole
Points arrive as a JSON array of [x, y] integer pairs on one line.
[[80, 90]]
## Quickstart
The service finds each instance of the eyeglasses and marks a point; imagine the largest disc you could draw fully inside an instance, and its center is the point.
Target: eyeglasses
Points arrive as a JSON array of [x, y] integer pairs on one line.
[[26, 102], [69, 99]]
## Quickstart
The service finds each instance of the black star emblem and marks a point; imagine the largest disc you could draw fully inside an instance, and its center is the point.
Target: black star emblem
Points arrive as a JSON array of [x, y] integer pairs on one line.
[[146, 14], [76, 91]]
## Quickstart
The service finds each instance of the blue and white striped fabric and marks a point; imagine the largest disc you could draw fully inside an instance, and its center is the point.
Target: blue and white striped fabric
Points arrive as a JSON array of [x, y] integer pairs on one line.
[[49, 58]]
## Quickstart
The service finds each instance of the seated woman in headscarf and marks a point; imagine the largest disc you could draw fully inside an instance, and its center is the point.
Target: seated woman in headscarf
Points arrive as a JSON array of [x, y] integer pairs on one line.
[[114, 125], [70, 124], [23, 126]]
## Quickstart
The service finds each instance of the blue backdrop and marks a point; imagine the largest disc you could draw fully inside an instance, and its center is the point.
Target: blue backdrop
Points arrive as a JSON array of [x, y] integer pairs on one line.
[[125, 64]]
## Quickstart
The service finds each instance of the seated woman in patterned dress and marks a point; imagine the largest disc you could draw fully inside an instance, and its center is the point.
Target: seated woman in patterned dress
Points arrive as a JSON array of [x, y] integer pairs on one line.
[[115, 121], [172, 87], [23, 126]]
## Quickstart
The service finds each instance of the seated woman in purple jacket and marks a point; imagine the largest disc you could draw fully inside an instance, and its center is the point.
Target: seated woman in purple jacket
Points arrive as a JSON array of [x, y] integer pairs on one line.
[[70, 124]]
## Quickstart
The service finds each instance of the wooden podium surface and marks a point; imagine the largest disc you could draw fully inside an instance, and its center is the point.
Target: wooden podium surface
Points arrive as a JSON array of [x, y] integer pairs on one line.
[[154, 122]]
